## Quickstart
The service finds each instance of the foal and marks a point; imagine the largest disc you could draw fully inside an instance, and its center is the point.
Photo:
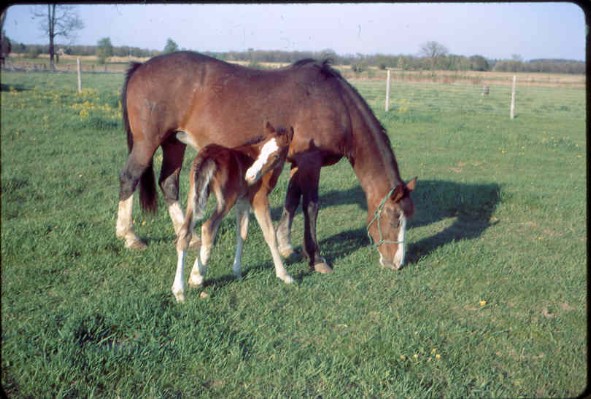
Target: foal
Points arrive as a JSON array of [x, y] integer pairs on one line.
[[243, 176]]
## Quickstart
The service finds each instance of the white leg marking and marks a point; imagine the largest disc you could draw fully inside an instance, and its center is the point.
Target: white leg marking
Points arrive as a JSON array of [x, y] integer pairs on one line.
[[124, 217], [400, 253], [176, 214], [200, 265], [197, 274], [178, 288], [254, 172], [124, 227]]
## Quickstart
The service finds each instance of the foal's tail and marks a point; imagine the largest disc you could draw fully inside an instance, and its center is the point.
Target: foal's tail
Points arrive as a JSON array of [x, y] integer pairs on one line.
[[204, 170], [147, 183]]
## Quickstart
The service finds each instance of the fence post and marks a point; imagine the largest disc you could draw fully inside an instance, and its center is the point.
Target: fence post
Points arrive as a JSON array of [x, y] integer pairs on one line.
[[79, 76], [513, 97], [388, 91]]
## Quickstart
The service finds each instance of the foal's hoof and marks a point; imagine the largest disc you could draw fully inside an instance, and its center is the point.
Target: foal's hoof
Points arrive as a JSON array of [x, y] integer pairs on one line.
[[322, 267], [286, 252], [179, 296], [287, 279], [136, 244], [195, 281]]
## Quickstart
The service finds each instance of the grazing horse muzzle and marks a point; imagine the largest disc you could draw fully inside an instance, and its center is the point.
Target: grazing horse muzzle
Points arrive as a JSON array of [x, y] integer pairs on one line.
[[387, 229], [387, 247]]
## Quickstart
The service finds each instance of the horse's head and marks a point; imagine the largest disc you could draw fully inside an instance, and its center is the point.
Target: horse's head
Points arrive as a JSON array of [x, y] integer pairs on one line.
[[272, 152], [387, 225]]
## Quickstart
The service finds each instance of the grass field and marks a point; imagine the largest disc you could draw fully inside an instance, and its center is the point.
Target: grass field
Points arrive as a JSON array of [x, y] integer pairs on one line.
[[491, 304]]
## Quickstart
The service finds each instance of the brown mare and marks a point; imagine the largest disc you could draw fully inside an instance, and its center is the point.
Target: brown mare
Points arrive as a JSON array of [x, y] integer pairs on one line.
[[189, 98], [243, 176]]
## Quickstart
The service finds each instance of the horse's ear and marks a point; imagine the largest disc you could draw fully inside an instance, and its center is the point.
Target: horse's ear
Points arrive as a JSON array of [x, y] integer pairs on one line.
[[269, 127], [412, 184], [398, 193]]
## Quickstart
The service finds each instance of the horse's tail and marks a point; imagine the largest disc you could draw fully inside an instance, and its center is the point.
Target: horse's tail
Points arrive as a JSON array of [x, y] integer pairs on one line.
[[132, 68], [205, 169], [147, 183]]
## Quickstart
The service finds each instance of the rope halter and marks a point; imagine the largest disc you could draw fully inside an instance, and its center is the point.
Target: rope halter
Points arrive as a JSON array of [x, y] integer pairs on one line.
[[376, 217]]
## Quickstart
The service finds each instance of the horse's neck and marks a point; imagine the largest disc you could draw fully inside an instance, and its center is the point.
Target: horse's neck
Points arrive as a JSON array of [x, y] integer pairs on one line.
[[374, 164], [372, 157]]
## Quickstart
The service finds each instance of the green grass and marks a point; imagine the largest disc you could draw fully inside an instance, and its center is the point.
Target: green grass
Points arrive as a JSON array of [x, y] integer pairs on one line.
[[491, 304]]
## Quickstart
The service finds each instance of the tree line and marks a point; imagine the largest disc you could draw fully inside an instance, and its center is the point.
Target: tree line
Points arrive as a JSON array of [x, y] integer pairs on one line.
[[357, 62]]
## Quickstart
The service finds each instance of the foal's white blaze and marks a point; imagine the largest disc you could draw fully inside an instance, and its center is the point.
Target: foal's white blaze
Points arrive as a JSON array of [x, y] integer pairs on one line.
[[399, 256], [254, 172]]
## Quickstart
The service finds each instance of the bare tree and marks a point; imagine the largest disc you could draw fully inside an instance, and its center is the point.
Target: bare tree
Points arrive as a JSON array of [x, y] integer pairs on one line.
[[58, 20], [5, 46], [433, 51]]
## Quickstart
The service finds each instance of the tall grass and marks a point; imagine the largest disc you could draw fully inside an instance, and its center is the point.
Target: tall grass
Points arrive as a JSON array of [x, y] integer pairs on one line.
[[491, 304]]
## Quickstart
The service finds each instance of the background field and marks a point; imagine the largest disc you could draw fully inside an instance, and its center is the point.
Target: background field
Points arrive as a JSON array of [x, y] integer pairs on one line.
[[491, 304]]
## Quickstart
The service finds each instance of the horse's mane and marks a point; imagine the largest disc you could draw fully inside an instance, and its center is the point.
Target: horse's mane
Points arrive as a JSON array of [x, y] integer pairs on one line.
[[376, 129], [324, 66]]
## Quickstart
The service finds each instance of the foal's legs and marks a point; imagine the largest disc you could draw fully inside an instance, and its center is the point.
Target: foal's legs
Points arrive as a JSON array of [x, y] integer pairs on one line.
[[263, 216], [184, 235], [209, 230], [242, 210]]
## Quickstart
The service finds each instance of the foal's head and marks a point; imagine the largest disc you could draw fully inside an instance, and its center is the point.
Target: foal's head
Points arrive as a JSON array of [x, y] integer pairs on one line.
[[387, 227], [272, 151]]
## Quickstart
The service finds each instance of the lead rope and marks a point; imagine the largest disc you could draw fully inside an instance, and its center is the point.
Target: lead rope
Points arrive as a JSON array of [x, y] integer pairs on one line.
[[376, 216]]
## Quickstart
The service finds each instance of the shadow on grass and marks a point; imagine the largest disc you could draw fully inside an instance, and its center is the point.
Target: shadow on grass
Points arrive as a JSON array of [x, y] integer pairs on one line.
[[15, 87], [472, 206]]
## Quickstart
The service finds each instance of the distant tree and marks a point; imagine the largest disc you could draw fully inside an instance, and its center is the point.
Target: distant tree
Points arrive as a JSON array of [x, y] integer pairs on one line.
[[171, 46], [104, 50], [433, 52], [57, 20], [479, 63], [5, 46]]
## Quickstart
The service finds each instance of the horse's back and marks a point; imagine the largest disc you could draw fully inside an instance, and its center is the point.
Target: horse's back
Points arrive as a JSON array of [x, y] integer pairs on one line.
[[217, 102]]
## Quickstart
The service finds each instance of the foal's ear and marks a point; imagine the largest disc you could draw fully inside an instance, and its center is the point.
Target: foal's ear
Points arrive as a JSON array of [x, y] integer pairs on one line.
[[269, 127], [412, 184]]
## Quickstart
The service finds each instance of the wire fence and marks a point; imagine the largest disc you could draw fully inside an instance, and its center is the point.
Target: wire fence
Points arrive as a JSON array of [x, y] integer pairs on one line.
[[482, 94], [413, 92]]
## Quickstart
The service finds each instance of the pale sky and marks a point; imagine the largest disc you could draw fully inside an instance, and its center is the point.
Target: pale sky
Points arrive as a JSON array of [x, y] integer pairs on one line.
[[494, 30]]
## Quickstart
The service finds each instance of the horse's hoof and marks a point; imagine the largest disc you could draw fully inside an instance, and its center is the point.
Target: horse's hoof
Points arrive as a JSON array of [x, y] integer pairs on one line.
[[322, 267], [136, 244], [287, 279]]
